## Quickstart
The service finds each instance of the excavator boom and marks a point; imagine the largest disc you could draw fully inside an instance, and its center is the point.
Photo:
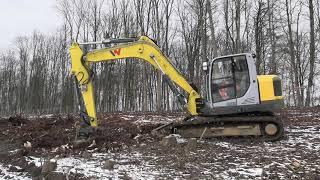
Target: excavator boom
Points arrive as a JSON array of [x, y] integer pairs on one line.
[[142, 48]]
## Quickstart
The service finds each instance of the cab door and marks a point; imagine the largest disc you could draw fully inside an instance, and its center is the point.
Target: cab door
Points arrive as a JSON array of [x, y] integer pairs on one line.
[[222, 83]]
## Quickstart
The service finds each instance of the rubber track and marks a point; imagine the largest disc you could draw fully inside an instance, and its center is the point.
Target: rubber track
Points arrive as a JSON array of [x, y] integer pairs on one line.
[[231, 121]]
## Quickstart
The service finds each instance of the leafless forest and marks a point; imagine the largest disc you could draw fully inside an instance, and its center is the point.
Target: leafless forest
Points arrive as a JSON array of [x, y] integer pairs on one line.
[[284, 35]]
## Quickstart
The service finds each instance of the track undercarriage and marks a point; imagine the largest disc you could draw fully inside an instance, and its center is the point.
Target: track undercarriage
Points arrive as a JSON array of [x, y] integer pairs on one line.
[[261, 127]]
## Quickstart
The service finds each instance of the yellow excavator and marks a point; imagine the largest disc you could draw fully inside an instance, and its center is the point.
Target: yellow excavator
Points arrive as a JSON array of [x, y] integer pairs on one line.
[[238, 102]]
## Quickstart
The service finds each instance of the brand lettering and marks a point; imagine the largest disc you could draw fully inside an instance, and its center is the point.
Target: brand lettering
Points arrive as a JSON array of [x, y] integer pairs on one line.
[[117, 51]]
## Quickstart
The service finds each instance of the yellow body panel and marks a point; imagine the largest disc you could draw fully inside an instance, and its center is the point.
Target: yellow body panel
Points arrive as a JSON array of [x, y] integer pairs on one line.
[[144, 49], [266, 88]]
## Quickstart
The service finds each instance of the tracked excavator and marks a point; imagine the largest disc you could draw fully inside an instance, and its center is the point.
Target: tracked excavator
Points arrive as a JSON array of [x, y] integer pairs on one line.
[[237, 103]]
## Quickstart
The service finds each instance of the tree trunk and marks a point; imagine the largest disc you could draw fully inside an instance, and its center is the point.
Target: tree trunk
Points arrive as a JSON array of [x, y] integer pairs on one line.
[[292, 54], [312, 54], [212, 29], [272, 38], [237, 19]]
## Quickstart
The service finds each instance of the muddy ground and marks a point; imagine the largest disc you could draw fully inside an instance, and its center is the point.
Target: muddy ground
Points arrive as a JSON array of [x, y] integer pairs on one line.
[[32, 147]]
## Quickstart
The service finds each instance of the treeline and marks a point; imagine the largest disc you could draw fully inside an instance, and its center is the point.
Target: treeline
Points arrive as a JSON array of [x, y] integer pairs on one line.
[[283, 34]]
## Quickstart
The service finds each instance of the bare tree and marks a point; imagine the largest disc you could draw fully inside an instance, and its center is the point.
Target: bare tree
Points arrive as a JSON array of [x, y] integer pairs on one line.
[[212, 28], [237, 22], [272, 36], [259, 23], [296, 87], [312, 53]]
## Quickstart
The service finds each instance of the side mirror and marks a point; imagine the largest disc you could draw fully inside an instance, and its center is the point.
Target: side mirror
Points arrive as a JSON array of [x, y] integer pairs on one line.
[[205, 66]]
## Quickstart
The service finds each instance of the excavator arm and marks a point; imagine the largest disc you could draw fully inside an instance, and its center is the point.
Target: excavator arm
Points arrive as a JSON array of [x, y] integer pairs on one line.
[[138, 48]]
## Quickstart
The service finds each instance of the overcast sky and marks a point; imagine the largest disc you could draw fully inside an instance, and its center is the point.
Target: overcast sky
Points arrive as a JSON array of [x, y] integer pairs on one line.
[[22, 17]]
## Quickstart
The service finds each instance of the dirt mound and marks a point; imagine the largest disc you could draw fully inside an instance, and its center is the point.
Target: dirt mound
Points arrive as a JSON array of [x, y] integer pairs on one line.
[[18, 120], [41, 132], [119, 132], [55, 131]]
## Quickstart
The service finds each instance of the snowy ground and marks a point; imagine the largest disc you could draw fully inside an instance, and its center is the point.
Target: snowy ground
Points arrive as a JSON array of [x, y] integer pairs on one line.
[[143, 157], [140, 166], [5, 173]]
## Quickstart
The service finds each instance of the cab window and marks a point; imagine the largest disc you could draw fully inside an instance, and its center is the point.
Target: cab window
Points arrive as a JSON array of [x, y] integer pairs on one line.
[[222, 81]]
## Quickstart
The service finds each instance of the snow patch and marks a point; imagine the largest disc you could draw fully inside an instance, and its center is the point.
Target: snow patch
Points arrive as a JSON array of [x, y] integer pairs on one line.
[[131, 165], [6, 174]]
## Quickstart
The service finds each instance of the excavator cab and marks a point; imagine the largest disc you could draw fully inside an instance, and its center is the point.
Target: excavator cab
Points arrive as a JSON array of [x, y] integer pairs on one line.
[[233, 86]]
